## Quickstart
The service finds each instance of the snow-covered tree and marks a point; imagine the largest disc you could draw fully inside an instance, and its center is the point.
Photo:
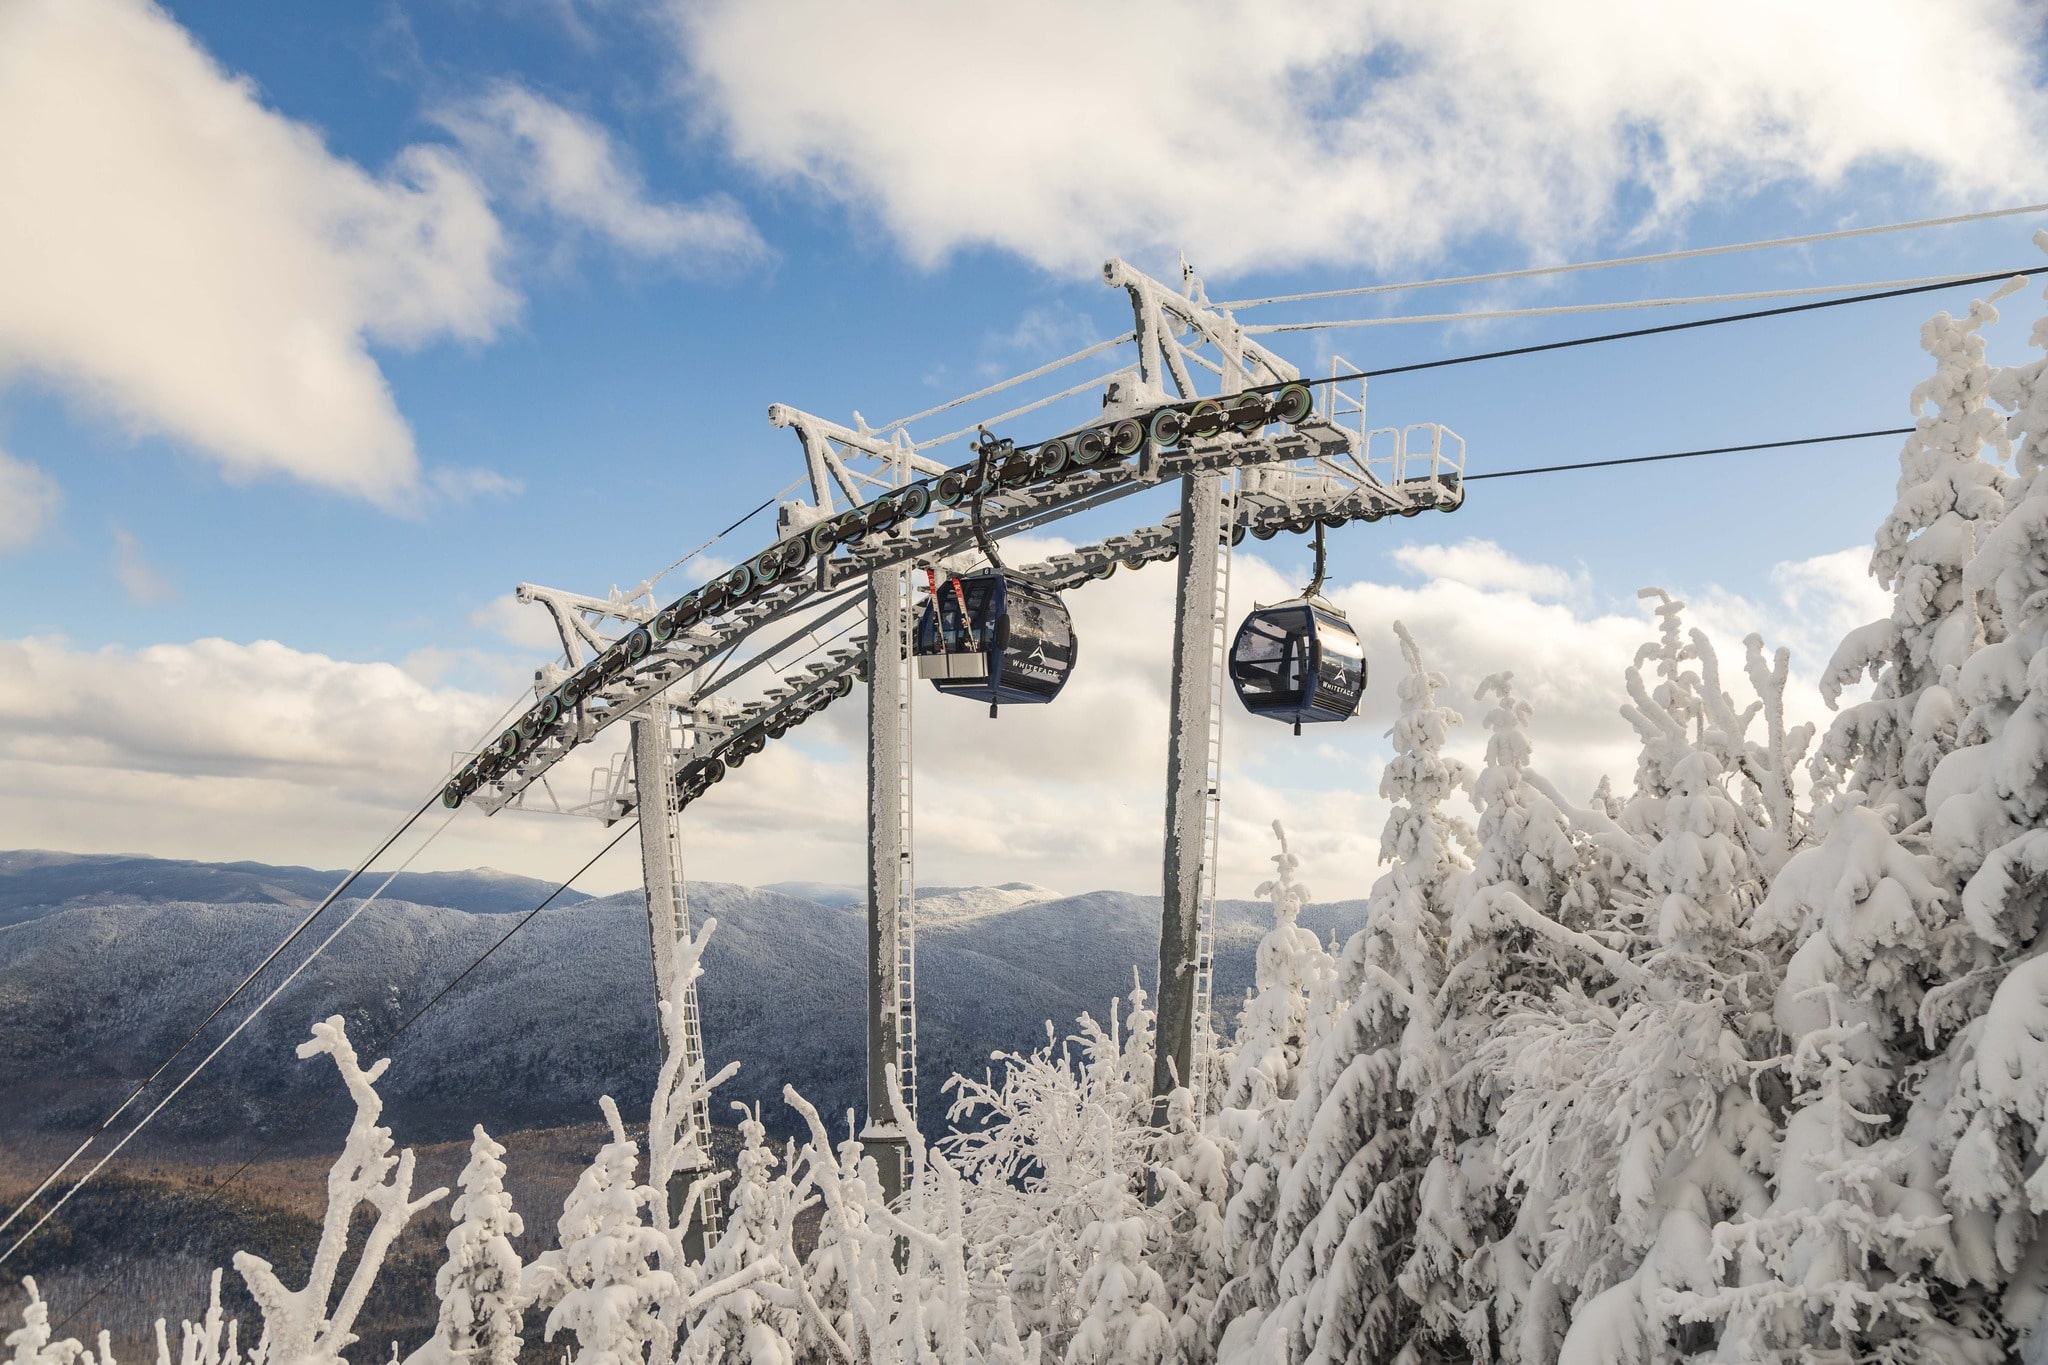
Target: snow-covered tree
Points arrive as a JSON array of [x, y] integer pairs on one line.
[[1949, 501], [1473, 1268], [600, 1281], [1293, 980], [754, 1317], [34, 1343], [1034, 1140], [311, 1325], [1123, 1300], [1291, 1003], [482, 1304], [1631, 1122], [1361, 1125]]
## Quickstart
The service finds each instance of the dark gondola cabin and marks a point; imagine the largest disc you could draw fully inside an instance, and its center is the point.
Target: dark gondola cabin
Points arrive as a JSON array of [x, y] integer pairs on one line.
[[1299, 663], [995, 638]]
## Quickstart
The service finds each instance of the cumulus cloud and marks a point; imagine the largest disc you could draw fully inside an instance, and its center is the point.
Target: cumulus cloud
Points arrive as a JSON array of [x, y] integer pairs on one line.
[[28, 499], [1482, 564], [557, 161], [1373, 131], [176, 253], [289, 755]]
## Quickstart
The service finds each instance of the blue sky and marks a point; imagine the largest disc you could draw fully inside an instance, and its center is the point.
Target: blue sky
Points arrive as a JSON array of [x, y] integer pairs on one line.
[[765, 205]]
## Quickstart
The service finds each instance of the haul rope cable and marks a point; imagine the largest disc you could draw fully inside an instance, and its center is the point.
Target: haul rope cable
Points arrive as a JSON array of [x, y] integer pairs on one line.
[[1660, 329], [726, 532], [1689, 253], [384, 1046], [1878, 290], [1097, 349], [1527, 272], [1613, 306], [233, 1033], [229, 999], [317, 911]]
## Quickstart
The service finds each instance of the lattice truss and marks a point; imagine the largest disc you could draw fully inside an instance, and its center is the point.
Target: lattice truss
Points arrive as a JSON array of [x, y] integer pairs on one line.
[[877, 499]]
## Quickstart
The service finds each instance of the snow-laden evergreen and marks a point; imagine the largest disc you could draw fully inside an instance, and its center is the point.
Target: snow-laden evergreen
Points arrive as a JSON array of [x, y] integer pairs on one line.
[[482, 1303], [1709, 1067]]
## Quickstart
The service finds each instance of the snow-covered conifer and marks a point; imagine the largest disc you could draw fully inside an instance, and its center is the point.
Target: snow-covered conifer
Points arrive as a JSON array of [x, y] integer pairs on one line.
[[1949, 500], [1292, 983], [482, 1304], [599, 1283], [1472, 1268], [749, 1313], [1629, 1122], [1290, 1005], [1123, 1300], [1361, 1125]]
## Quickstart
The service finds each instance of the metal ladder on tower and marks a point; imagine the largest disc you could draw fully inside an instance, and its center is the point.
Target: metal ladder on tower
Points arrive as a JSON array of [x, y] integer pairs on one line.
[[711, 1207], [1205, 1050], [906, 916]]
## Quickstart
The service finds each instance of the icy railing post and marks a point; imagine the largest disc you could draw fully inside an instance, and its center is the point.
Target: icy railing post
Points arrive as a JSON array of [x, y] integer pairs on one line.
[[1382, 455], [299, 1326]]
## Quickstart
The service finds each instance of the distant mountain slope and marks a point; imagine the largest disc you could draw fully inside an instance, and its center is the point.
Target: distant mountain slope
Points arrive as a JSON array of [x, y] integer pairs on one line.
[[33, 882], [93, 995]]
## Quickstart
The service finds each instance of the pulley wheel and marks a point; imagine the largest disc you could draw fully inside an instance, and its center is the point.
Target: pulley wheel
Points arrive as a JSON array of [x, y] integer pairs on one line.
[[1293, 404], [1169, 426]]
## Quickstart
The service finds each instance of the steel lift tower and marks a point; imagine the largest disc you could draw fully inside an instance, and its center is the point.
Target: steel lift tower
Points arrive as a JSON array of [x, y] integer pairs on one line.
[[831, 601]]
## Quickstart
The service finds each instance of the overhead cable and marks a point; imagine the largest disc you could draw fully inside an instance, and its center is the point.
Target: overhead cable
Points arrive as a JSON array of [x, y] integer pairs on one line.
[[380, 1048], [233, 1033], [2010, 276], [1688, 253], [726, 532], [1097, 382], [1691, 454], [215, 1012], [1614, 306]]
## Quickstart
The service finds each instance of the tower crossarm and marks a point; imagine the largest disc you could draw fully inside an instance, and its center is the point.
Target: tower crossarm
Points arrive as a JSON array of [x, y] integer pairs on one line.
[[833, 456], [726, 740], [815, 568]]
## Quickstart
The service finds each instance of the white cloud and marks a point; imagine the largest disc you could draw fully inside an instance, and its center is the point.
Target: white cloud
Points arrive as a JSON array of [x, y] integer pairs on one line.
[[458, 484], [143, 584], [214, 749], [28, 499], [1349, 130], [553, 159], [1483, 564], [203, 267]]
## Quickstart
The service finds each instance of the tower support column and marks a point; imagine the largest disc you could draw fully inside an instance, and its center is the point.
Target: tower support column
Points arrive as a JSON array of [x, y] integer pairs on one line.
[[1189, 776], [668, 919], [892, 1026]]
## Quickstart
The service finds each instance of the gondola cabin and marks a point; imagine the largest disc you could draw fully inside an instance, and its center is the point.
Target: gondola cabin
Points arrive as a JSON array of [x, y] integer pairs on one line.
[[995, 638], [1298, 662]]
